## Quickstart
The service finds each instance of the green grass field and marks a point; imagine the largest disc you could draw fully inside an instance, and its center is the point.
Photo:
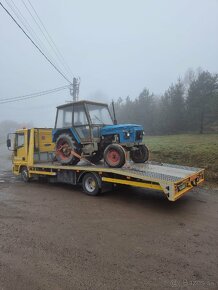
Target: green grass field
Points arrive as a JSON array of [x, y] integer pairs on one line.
[[192, 150]]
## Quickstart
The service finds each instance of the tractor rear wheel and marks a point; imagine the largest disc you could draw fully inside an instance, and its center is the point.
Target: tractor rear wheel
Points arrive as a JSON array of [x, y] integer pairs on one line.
[[114, 155], [64, 145], [140, 155]]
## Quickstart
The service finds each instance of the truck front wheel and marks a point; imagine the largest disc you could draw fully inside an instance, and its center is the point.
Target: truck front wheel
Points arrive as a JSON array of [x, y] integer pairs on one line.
[[140, 155], [24, 174], [114, 155]]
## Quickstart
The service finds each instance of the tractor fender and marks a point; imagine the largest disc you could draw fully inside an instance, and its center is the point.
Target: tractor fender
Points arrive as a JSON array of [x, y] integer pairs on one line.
[[70, 131]]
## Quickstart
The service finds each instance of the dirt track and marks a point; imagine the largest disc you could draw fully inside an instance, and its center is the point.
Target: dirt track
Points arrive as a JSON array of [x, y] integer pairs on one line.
[[56, 237]]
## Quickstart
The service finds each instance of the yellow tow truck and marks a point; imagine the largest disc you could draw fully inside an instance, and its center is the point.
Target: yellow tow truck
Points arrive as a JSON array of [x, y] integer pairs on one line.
[[34, 156]]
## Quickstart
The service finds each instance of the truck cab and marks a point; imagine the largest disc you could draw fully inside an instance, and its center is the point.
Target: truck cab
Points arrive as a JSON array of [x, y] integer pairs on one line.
[[84, 119], [29, 146]]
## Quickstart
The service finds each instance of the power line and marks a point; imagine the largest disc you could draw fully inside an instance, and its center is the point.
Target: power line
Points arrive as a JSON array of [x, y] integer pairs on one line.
[[26, 98], [57, 49], [24, 22], [28, 28], [35, 44], [58, 88], [44, 35], [32, 95], [48, 37]]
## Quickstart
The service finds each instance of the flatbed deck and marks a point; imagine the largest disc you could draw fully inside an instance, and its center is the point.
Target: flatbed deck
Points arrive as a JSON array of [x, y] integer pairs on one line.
[[173, 180]]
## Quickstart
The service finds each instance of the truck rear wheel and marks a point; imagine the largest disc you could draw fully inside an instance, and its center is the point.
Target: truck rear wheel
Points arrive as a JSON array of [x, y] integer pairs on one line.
[[114, 155], [91, 184], [140, 155], [64, 145]]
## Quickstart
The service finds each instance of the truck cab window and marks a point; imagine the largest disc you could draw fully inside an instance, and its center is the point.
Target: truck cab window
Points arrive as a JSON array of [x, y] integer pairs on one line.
[[19, 140]]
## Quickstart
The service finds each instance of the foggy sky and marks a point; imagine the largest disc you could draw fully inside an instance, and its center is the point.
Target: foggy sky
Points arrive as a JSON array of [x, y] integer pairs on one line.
[[116, 47]]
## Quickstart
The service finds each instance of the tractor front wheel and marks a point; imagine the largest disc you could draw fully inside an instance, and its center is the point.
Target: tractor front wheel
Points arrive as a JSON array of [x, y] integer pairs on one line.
[[63, 151], [139, 155], [114, 155]]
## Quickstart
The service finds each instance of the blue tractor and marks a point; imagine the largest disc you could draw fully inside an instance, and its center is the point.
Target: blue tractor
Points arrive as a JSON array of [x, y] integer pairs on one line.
[[86, 129]]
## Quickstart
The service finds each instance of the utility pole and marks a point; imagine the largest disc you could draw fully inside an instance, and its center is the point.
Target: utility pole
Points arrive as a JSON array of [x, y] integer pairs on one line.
[[74, 89]]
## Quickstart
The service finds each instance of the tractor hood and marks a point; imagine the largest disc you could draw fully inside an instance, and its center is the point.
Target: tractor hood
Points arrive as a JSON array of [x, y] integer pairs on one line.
[[116, 129]]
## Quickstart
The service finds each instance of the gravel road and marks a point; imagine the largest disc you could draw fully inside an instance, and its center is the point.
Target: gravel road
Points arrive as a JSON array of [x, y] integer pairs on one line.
[[56, 237]]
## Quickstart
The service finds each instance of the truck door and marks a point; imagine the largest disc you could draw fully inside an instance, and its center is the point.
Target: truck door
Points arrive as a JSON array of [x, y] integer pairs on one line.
[[20, 146]]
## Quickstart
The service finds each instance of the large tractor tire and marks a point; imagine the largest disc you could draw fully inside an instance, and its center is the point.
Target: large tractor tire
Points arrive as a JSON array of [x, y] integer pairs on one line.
[[140, 155], [64, 145], [114, 155]]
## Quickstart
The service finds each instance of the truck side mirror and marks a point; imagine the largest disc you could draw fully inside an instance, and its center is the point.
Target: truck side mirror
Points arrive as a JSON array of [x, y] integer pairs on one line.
[[9, 143]]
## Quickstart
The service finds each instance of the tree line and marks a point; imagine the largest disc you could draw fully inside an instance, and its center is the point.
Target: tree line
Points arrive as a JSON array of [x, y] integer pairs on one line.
[[189, 105]]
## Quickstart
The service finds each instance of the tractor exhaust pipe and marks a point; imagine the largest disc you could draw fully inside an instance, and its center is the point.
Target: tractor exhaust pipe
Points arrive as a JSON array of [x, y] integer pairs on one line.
[[115, 120]]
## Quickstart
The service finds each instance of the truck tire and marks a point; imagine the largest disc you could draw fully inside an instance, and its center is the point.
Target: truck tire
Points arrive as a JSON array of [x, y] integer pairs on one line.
[[91, 184], [140, 155], [25, 174], [114, 156], [64, 145]]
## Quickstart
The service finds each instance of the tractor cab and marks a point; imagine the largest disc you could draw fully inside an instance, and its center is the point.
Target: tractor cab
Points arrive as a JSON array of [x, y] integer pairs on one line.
[[85, 117]]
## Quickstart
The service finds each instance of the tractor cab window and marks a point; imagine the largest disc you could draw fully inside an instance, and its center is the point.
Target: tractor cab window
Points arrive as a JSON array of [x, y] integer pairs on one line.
[[80, 122], [99, 114], [64, 117], [80, 117]]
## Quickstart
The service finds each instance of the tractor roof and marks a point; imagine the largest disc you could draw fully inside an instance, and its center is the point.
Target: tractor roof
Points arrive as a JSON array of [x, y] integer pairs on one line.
[[80, 102]]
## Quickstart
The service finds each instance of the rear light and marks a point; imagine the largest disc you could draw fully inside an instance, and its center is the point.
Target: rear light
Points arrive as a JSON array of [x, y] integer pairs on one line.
[[195, 181]]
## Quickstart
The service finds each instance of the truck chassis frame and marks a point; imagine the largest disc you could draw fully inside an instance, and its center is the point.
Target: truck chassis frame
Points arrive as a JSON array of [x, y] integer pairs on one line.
[[173, 180]]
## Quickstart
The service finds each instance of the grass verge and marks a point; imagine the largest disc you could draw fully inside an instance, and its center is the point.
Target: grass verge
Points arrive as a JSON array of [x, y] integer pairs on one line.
[[192, 150]]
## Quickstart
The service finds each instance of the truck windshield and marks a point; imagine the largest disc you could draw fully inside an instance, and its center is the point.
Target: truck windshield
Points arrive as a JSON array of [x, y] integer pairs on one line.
[[99, 114]]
